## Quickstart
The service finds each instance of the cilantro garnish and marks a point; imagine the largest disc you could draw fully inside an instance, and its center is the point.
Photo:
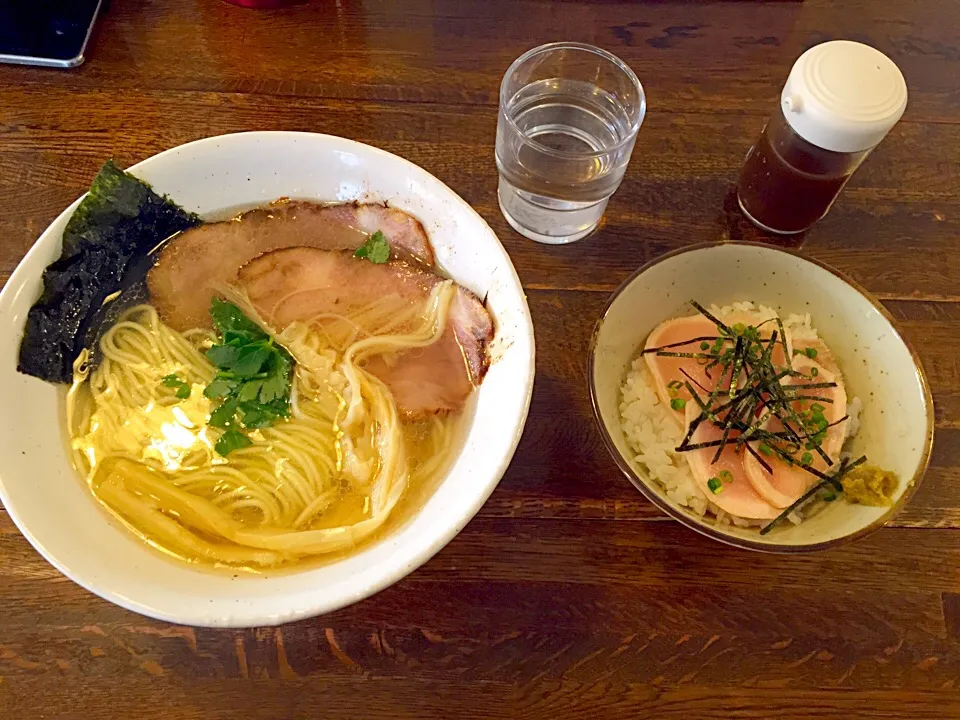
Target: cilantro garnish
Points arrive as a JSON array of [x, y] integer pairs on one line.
[[172, 381], [376, 249], [231, 440], [253, 378]]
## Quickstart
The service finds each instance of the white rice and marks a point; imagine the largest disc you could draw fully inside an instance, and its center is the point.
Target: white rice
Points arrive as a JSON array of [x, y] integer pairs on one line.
[[653, 433]]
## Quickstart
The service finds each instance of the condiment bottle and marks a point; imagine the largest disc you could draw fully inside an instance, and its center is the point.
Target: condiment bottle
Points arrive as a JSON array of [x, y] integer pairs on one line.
[[839, 102]]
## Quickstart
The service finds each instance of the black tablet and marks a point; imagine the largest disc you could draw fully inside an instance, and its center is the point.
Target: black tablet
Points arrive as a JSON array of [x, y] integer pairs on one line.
[[46, 32]]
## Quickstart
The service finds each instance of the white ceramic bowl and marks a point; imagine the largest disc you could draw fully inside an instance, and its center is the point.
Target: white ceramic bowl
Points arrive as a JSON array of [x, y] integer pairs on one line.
[[878, 365], [55, 511]]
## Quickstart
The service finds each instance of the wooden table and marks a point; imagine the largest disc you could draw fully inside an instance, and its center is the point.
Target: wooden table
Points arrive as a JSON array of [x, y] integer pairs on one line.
[[569, 595]]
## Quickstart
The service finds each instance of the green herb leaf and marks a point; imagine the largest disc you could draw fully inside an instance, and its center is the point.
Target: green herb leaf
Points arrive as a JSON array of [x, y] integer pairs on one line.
[[716, 487], [279, 407], [255, 373], [219, 388], [224, 356], [250, 359], [276, 385], [250, 391], [232, 440], [376, 249], [173, 381], [231, 323], [678, 403], [222, 417], [259, 415]]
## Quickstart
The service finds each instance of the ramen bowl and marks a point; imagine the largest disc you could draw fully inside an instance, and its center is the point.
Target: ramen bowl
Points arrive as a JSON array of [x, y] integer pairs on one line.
[[48, 501], [878, 366]]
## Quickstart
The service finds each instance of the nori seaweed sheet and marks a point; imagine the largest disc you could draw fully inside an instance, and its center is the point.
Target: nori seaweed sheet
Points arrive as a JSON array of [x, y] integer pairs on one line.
[[114, 227]]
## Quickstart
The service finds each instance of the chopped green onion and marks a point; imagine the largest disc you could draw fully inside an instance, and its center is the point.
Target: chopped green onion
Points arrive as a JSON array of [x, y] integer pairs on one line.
[[814, 372], [704, 346], [739, 328], [765, 449], [726, 476], [674, 384], [678, 403], [716, 487], [811, 353], [829, 498], [806, 458], [817, 408]]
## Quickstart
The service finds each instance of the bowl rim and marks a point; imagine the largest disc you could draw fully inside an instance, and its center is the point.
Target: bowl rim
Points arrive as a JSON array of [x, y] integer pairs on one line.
[[396, 571], [710, 531]]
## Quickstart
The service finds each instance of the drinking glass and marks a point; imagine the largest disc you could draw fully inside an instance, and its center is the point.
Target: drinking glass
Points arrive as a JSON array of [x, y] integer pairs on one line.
[[569, 116]]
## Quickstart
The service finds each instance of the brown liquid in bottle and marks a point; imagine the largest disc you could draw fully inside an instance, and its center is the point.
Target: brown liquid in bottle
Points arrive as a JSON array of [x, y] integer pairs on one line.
[[787, 183]]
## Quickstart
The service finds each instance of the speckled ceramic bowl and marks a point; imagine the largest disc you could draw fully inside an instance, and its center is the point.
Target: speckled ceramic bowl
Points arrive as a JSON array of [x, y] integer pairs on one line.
[[878, 365]]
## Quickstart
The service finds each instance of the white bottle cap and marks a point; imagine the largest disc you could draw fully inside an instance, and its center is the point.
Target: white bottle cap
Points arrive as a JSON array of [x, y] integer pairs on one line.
[[843, 96]]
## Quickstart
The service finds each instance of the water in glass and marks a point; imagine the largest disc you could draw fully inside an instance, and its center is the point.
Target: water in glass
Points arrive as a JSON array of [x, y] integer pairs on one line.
[[563, 144]]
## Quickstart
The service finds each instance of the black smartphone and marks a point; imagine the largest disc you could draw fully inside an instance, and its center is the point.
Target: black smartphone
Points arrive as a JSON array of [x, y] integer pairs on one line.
[[46, 32]]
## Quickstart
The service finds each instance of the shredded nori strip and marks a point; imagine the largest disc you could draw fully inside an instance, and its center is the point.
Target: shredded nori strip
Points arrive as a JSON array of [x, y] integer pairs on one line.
[[691, 379], [741, 349], [115, 226], [678, 344], [833, 480]]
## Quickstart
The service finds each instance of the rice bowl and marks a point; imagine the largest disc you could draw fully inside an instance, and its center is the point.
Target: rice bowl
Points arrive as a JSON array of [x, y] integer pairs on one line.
[[880, 369]]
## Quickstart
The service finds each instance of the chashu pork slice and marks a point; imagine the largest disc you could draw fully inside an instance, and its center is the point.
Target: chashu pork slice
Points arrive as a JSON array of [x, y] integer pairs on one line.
[[687, 335], [735, 494], [309, 285], [666, 370], [191, 264], [787, 482]]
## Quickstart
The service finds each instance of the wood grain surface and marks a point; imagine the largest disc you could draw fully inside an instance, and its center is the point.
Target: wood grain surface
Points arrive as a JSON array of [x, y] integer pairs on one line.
[[569, 595]]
